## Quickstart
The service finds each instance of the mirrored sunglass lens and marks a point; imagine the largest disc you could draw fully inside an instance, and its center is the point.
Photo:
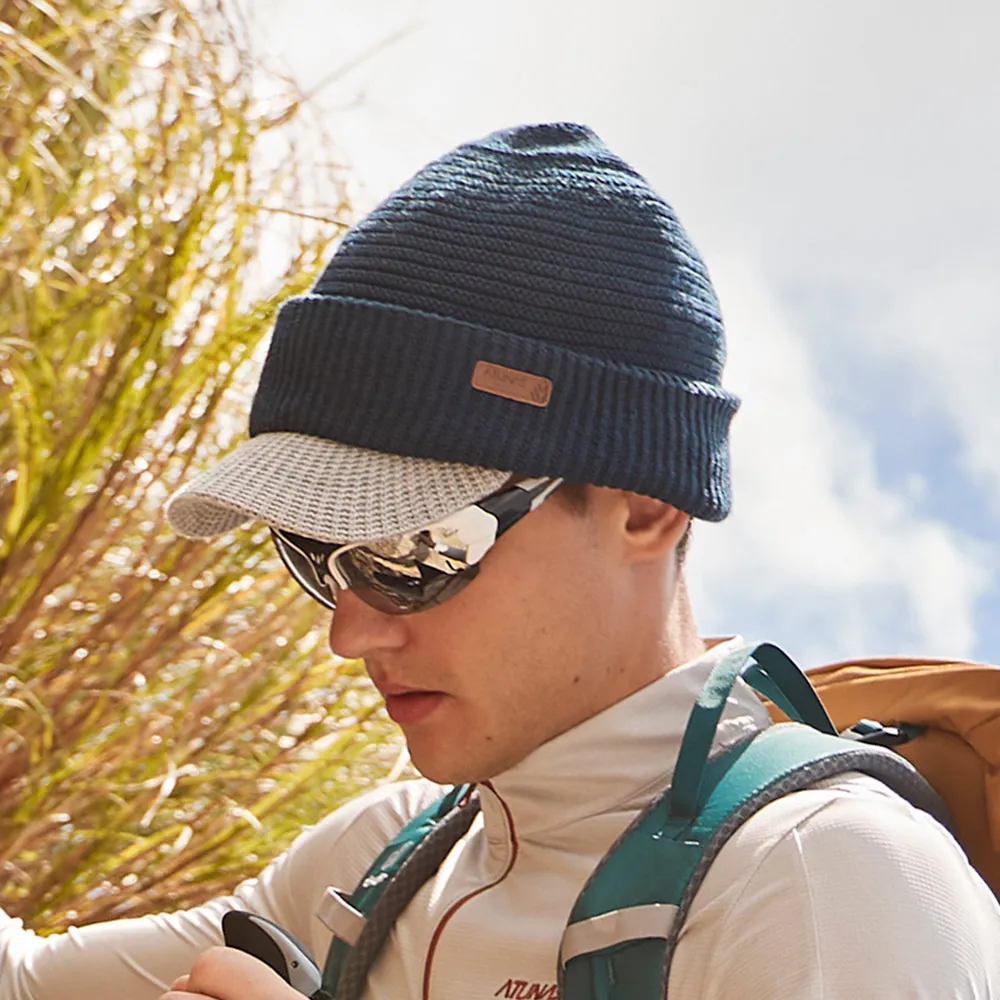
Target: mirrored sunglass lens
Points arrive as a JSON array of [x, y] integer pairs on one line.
[[306, 571], [400, 586]]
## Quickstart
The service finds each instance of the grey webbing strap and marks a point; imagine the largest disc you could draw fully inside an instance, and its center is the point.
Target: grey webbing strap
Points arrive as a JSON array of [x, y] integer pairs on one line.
[[405, 884], [874, 761]]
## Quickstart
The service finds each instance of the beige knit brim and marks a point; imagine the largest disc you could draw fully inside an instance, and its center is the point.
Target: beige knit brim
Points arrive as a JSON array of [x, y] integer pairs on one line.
[[326, 490]]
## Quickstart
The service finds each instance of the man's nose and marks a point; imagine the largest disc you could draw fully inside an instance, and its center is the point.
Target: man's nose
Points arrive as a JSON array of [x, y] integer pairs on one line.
[[358, 630]]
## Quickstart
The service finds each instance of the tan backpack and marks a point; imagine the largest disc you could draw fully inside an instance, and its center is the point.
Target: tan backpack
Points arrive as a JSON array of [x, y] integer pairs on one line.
[[958, 750]]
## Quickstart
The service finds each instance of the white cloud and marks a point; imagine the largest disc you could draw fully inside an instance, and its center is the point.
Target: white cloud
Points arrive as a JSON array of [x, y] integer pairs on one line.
[[945, 332], [816, 545]]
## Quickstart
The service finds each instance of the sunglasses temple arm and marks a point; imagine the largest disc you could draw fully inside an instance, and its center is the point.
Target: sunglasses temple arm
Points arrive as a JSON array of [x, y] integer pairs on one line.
[[514, 504], [545, 491]]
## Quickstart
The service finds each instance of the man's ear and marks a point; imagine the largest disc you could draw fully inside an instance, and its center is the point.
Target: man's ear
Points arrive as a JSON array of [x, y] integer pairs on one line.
[[651, 527]]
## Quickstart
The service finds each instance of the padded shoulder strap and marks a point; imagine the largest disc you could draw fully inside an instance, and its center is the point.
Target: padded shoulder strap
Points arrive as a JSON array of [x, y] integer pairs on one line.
[[393, 879], [842, 756], [620, 939]]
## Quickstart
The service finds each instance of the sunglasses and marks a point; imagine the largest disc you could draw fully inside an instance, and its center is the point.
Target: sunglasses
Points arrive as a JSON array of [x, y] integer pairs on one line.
[[417, 570]]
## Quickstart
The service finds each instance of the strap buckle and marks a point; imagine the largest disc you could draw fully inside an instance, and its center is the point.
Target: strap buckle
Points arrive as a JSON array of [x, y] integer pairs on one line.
[[876, 734]]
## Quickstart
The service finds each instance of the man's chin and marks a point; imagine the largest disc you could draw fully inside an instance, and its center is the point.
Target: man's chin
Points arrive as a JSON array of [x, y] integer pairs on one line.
[[444, 767], [455, 769], [447, 773]]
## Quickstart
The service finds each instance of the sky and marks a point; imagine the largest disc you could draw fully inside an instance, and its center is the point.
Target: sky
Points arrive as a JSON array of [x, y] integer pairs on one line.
[[836, 165]]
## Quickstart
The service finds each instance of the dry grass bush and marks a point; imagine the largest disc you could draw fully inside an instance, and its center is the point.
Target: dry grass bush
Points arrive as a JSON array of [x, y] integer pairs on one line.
[[165, 726]]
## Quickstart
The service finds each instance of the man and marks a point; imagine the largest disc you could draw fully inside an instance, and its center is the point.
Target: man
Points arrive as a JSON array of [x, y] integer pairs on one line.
[[480, 441]]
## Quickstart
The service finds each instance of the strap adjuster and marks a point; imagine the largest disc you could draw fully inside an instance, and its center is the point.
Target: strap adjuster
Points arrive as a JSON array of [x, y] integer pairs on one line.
[[339, 917]]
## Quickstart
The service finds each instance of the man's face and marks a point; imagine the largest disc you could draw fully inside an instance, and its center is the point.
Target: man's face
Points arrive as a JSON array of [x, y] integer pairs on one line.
[[542, 639]]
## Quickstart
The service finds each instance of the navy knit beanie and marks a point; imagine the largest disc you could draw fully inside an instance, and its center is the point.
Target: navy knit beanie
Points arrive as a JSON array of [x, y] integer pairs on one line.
[[526, 302]]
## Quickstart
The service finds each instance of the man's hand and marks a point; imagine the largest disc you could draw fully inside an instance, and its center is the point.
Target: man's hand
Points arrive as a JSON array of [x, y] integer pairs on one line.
[[228, 974]]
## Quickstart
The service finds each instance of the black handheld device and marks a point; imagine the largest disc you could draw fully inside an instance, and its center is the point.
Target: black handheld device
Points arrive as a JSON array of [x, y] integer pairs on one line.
[[274, 946]]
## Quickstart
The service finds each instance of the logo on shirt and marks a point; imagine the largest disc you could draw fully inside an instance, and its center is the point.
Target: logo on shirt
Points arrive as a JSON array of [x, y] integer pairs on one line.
[[521, 989]]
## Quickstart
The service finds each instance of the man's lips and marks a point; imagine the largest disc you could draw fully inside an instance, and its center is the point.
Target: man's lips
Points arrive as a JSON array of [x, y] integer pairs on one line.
[[409, 704]]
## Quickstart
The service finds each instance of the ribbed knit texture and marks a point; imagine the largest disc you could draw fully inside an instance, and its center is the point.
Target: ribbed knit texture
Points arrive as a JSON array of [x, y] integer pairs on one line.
[[535, 248]]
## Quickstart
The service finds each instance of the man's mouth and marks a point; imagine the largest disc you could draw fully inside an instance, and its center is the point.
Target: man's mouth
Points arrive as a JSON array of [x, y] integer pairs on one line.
[[412, 706], [408, 705]]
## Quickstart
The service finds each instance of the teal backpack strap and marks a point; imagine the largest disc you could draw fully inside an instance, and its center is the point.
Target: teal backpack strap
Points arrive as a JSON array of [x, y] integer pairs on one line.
[[392, 880], [619, 942], [764, 666]]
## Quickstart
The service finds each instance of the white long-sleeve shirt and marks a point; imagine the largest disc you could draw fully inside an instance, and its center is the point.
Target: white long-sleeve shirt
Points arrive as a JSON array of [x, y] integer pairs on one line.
[[836, 892]]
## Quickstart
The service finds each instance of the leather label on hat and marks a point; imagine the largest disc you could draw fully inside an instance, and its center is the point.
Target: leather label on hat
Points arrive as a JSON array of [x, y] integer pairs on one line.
[[511, 383]]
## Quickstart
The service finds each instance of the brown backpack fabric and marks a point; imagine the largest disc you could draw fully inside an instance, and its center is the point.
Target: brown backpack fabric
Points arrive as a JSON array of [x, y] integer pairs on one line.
[[958, 752]]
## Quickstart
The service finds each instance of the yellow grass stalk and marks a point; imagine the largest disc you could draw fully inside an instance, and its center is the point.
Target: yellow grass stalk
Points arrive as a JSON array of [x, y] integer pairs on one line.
[[169, 713]]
